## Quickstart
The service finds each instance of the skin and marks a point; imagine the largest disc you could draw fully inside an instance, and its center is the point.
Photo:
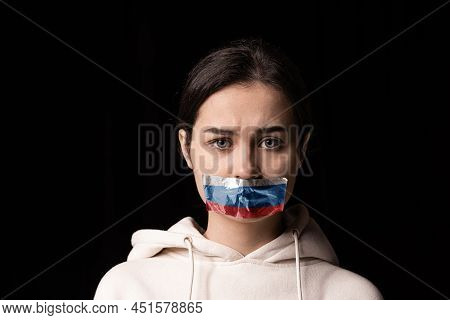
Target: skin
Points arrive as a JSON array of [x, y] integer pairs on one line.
[[243, 152]]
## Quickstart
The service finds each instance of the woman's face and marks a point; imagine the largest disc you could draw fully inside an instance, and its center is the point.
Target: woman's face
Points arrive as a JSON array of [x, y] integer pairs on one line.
[[242, 132]]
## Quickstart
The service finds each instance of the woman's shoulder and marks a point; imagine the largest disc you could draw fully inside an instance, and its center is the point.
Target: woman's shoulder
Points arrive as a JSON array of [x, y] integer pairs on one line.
[[114, 279], [339, 283], [131, 278]]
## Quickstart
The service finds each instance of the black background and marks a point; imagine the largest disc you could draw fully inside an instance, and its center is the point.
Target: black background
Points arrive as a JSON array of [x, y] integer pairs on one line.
[[69, 132]]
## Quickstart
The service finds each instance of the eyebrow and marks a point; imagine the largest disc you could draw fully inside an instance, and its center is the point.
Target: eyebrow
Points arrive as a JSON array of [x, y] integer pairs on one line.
[[215, 130], [230, 132], [272, 129]]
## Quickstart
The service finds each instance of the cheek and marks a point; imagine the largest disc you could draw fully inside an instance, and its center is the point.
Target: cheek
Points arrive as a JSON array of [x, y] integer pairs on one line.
[[278, 163], [208, 161], [199, 183]]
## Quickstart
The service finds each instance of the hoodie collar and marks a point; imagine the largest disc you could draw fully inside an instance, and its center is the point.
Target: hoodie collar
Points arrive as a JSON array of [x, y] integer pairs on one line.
[[312, 241]]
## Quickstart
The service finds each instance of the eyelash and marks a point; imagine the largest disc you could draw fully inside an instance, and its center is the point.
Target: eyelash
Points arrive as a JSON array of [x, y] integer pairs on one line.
[[280, 143], [212, 143]]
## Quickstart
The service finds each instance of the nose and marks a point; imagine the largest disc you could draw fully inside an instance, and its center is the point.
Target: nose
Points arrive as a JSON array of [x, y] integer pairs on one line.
[[244, 163]]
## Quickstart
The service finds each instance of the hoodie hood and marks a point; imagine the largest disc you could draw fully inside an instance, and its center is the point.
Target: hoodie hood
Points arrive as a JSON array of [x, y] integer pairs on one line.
[[181, 263], [302, 238], [312, 241]]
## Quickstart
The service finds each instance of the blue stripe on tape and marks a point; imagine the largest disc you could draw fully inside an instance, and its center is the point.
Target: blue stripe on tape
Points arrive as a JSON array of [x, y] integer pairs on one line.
[[260, 196]]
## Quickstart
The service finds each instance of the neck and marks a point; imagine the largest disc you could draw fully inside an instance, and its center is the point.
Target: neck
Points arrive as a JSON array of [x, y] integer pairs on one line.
[[244, 237]]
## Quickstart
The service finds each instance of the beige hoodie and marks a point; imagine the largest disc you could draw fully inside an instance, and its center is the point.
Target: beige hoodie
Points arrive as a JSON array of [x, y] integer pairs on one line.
[[181, 263]]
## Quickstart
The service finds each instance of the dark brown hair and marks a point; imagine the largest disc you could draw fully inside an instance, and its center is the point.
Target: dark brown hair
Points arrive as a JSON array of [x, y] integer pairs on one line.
[[241, 62]]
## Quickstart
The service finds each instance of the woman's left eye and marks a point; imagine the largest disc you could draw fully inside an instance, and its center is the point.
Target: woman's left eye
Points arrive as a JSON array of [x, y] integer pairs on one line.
[[271, 143]]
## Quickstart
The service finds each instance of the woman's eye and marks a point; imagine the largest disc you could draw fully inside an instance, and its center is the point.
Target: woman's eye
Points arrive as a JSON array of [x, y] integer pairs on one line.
[[221, 143], [271, 143]]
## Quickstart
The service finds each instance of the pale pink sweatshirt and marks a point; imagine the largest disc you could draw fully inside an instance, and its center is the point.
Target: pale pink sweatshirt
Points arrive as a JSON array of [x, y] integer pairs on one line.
[[181, 263]]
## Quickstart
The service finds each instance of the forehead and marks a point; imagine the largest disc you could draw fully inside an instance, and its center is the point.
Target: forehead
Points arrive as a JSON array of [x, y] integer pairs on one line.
[[255, 105]]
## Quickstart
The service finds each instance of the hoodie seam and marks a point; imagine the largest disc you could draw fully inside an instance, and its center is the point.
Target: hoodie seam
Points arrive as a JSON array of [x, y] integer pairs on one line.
[[259, 263], [200, 258]]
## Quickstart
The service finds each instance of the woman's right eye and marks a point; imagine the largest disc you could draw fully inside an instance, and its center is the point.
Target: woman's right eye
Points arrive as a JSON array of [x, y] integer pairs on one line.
[[221, 144]]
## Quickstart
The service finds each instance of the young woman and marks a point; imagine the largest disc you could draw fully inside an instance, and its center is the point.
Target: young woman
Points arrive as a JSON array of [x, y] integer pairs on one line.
[[238, 108]]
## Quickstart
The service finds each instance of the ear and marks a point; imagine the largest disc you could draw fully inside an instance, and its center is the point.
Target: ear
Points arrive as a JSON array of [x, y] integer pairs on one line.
[[182, 137], [301, 150]]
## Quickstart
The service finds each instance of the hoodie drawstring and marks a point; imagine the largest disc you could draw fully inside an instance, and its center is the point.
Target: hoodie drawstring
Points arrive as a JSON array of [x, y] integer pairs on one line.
[[295, 234], [188, 240]]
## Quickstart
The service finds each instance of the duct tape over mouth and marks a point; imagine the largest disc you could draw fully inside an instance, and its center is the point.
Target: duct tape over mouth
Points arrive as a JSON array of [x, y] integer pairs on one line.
[[244, 198]]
